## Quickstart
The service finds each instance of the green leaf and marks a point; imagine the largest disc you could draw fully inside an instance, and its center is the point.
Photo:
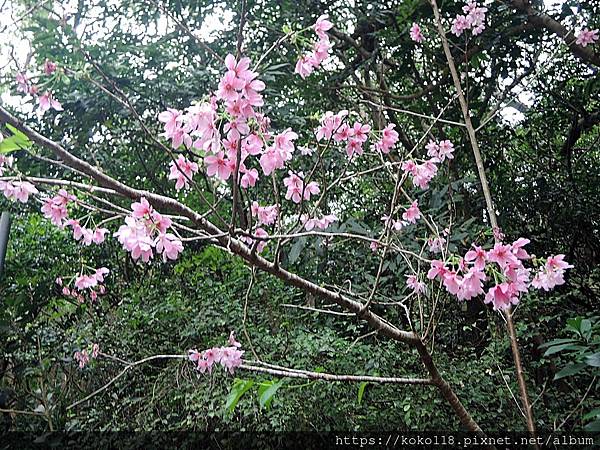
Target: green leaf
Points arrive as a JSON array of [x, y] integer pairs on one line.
[[16, 141], [593, 360], [266, 391], [569, 370], [593, 426], [557, 342], [361, 391], [560, 348], [296, 250], [593, 413], [239, 388], [574, 324]]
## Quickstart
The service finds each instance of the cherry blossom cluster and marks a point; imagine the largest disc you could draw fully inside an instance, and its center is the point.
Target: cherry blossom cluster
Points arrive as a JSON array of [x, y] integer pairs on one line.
[[146, 231], [18, 190], [182, 170], [551, 274], [415, 33], [409, 216], [417, 286], [266, 215], [55, 209], [297, 190], [389, 138], [464, 276], [586, 37], [239, 90], [321, 48], [423, 173], [473, 19], [436, 244], [90, 283], [336, 126], [87, 236], [83, 357], [229, 357], [46, 100], [322, 223]]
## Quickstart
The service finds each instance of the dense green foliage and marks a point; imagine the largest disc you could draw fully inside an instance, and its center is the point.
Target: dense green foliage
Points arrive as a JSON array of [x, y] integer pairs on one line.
[[543, 169]]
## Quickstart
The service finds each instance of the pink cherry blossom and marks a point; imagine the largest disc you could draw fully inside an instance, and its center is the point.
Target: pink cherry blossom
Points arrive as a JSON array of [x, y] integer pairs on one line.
[[412, 214], [136, 239], [267, 215], [99, 274], [322, 223], [474, 19], [304, 66], [55, 208], [99, 235], [95, 350], [329, 124], [239, 68], [502, 296], [82, 358], [438, 269], [459, 25], [417, 286], [436, 244], [229, 86], [47, 101], [170, 118], [354, 147], [518, 250], [393, 224], [502, 255], [18, 190], [261, 233], [85, 281], [415, 33], [389, 137], [552, 274], [452, 281], [218, 165], [321, 50], [23, 82], [229, 357], [141, 209], [169, 245], [271, 160], [49, 67], [471, 284], [586, 37], [182, 171], [249, 178], [478, 256], [232, 341], [322, 25]]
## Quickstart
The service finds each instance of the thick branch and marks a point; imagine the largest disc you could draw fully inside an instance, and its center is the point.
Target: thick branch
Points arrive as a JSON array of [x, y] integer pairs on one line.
[[543, 20]]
